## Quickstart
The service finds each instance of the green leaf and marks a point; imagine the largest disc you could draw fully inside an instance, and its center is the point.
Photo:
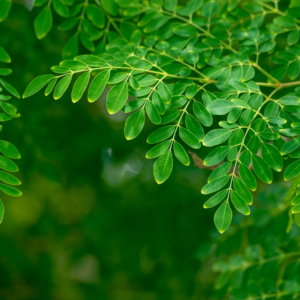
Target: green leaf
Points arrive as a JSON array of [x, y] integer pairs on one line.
[[216, 199], [181, 154], [9, 109], [155, 24], [216, 156], [272, 156], [117, 77], [209, 9], [290, 146], [170, 5], [189, 138], [261, 169], [96, 16], [294, 69], [9, 179], [215, 185], [110, 7], [296, 209], [37, 84], [158, 150], [223, 217], [236, 138], [293, 37], [9, 150], [4, 10], [292, 170], [133, 105], [10, 190], [9, 88], [160, 134], [4, 57], [152, 113], [134, 83], [62, 86], [220, 171], [296, 200], [117, 97], [247, 177], [91, 60], [8, 165], [164, 92], [134, 124], [97, 86], [216, 137], [221, 107], [50, 86], [239, 203], [242, 191], [202, 114], [43, 23], [170, 116], [61, 9], [158, 102], [80, 86], [194, 127], [163, 167]]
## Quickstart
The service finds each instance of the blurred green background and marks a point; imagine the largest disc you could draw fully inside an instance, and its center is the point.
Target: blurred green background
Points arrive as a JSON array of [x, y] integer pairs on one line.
[[92, 223]]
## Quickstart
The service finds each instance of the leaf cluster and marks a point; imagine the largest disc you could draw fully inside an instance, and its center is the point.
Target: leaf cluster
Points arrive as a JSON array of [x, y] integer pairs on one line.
[[188, 68]]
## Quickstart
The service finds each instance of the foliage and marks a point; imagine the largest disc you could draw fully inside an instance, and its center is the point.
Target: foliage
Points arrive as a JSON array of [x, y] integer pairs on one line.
[[257, 259], [188, 65], [9, 111]]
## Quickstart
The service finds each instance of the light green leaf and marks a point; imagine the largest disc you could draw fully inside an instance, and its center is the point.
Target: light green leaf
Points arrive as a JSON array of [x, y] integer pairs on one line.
[[97, 86], [152, 113], [220, 171], [247, 177], [261, 169], [290, 146], [181, 154], [9, 88], [194, 127], [134, 124], [189, 138], [160, 134], [215, 185], [50, 86], [117, 97], [9, 150], [37, 84], [216, 156], [272, 156], [8, 165], [10, 190], [242, 191], [158, 150], [223, 217], [164, 92], [216, 137], [202, 114], [292, 170], [163, 167], [216, 199], [80, 86], [221, 107], [239, 203], [9, 179], [62, 86]]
